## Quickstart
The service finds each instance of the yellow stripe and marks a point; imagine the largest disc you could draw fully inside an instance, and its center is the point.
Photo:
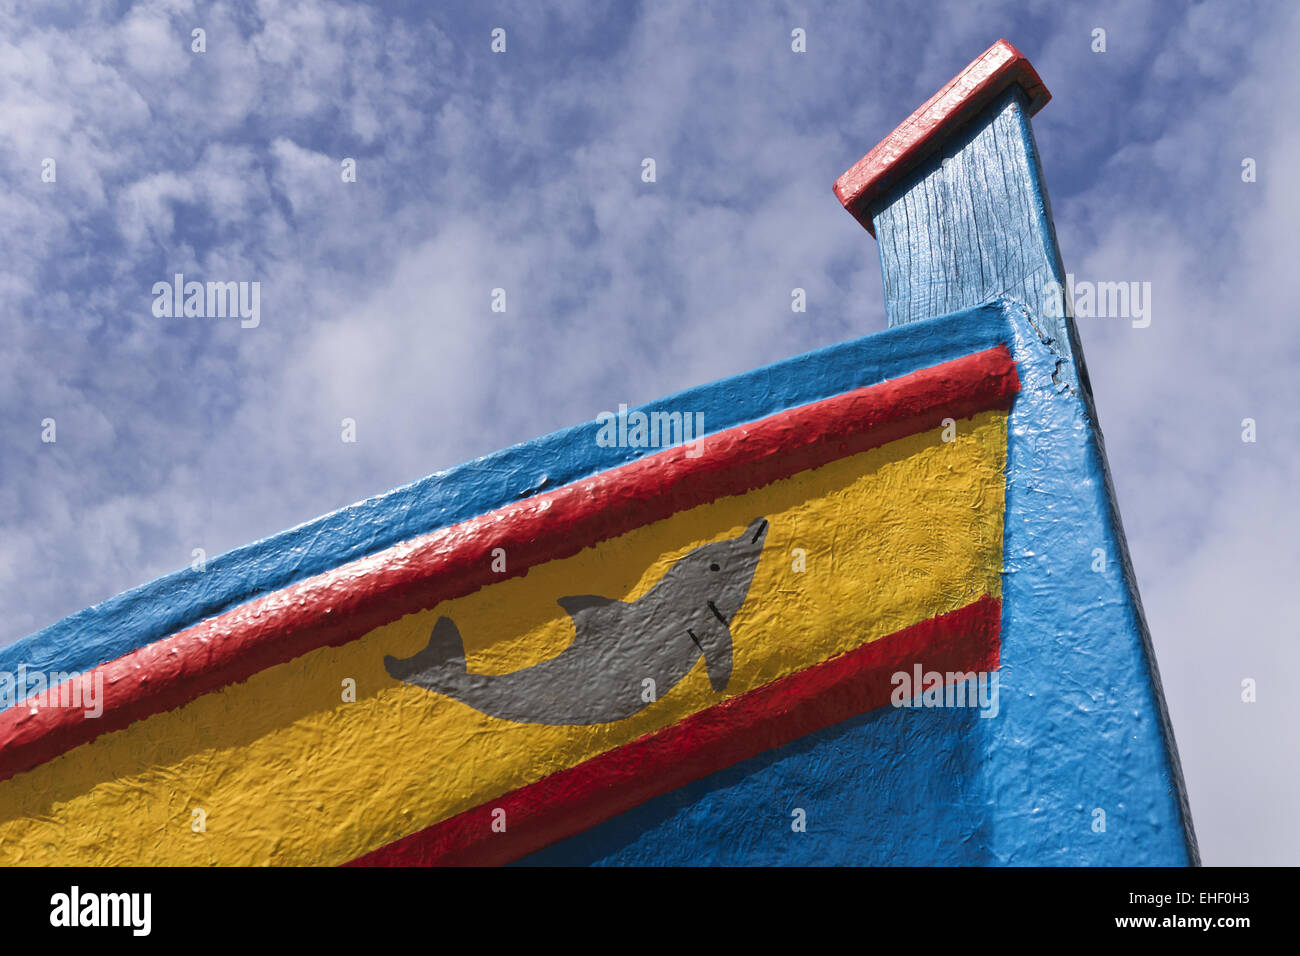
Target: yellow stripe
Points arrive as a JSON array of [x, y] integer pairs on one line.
[[285, 772]]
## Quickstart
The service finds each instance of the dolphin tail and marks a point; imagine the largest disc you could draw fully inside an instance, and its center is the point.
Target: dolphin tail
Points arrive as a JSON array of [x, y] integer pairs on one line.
[[438, 664]]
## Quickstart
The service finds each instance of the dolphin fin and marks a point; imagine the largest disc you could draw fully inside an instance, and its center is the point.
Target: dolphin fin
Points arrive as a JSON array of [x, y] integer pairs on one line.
[[444, 654], [713, 638]]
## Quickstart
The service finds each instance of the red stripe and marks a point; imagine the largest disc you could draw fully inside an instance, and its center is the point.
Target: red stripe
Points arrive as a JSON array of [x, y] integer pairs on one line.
[[773, 715], [996, 69], [347, 602]]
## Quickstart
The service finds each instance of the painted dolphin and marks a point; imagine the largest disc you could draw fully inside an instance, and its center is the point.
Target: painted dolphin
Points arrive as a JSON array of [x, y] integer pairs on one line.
[[599, 677]]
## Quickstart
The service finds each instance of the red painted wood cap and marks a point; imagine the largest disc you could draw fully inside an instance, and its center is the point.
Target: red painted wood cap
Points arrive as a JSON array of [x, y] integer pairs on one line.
[[943, 114]]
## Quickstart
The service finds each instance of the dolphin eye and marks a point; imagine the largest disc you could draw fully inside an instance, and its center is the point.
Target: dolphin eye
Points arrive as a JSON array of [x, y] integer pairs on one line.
[[714, 567]]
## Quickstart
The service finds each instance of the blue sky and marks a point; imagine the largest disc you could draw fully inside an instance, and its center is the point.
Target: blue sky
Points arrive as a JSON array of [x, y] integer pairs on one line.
[[522, 171]]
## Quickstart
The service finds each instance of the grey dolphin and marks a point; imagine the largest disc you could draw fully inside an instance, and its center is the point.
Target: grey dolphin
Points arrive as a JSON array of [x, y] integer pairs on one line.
[[598, 678]]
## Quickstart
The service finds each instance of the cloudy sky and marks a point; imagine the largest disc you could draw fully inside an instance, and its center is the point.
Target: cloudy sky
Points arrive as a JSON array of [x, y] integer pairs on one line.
[[522, 171]]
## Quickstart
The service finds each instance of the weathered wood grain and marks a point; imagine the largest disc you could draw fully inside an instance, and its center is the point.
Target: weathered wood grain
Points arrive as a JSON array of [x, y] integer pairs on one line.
[[972, 224]]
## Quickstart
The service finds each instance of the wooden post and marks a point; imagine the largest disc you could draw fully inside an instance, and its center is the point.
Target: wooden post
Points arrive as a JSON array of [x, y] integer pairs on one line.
[[956, 200]]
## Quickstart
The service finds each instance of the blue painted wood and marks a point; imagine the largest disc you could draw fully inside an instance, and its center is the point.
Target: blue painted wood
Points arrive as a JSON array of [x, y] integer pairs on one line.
[[1081, 724], [892, 787], [973, 224]]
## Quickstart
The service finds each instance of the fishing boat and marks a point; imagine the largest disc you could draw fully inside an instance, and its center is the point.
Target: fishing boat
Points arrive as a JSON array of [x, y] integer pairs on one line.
[[868, 605]]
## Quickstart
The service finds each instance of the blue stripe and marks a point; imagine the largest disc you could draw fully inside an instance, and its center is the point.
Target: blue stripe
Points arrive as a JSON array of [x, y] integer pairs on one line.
[[894, 787]]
